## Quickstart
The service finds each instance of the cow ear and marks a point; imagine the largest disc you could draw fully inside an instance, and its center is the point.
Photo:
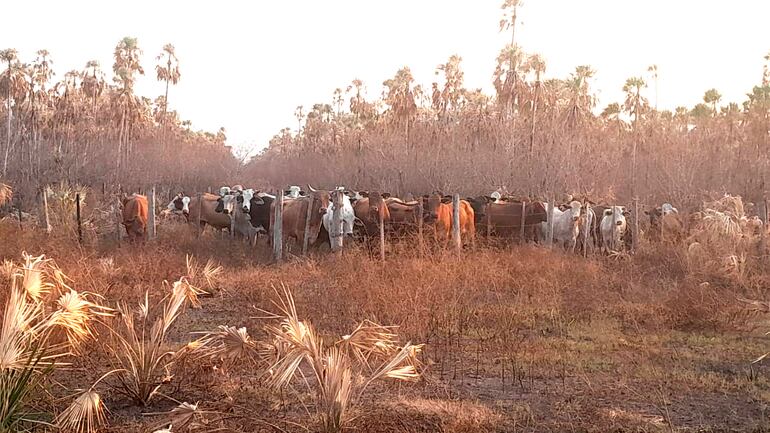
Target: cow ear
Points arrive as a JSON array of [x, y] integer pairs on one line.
[[363, 193], [446, 199], [385, 195]]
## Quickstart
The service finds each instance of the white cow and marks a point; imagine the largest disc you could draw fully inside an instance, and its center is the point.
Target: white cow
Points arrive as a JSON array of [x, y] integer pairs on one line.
[[241, 225], [566, 225], [667, 208], [244, 199], [348, 216], [179, 200], [293, 192], [613, 227]]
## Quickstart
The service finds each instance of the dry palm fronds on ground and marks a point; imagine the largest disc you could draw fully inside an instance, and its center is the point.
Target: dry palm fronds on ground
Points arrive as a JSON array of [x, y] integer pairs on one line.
[[341, 371], [139, 342], [44, 321]]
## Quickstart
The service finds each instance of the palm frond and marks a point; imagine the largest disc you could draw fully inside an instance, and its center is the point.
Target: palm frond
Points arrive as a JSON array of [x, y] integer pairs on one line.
[[86, 414]]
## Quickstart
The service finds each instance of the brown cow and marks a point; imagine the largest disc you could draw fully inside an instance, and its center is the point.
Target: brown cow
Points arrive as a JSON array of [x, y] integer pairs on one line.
[[505, 218], [295, 215], [368, 209], [205, 211], [403, 215], [135, 216], [438, 212], [668, 227]]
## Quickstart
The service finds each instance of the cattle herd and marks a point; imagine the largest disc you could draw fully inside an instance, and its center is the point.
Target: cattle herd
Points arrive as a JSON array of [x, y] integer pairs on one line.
[[575, 225]]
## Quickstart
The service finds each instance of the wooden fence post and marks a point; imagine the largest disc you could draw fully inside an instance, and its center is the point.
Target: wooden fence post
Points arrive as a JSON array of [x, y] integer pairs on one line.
[[335, 234], [587, 229], [381, 223], [456, 239], [549, 231], [635, 227], [613, 247], [198, 228], [488, 217], [151, 214], [308, 216], [523, 221], [278, 228], [45, 209], [77, 215], [117, 215], [21, 226], [420, 218]]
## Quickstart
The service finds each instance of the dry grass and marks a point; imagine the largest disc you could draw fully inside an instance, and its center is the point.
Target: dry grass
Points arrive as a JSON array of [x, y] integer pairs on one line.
[[556, 333]]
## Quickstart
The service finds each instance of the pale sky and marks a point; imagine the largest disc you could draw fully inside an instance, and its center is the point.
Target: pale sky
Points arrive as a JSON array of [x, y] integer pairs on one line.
[[246, 65]]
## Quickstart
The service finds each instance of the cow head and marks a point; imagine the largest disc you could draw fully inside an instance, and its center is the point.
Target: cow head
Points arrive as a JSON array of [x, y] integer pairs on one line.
[[574, 210], [479, 205], [432, 203], [618, 214], [378, 206], [226, 204], [320, 198], [180, 203], [246, 198], [655, 216], [223, 191], [293, 192]]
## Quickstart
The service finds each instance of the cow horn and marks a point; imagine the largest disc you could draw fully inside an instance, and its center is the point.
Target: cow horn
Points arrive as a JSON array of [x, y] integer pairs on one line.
[[310, 187]]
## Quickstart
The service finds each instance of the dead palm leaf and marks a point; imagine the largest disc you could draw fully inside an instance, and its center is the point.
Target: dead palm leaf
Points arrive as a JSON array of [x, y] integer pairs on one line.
[[86, 414], [227, 343]]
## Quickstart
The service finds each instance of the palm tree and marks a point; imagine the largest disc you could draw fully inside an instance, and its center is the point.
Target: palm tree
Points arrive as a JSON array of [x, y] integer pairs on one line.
[[40, 74], [126, 66], [712, 96], [505, 77], [635, 103], [93, 83], [168, 72], [508, 22], [15, 86], [450, 97], [612, 114], [653, 70], [298, 113], [578, 87], [400, 96], [537, 64]]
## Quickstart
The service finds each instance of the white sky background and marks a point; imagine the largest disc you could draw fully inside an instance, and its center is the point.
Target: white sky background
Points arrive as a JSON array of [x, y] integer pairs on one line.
[[246, 65]]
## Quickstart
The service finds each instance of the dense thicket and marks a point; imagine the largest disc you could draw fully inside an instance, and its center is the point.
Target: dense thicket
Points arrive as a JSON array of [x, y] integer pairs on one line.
[[533, 136], [84, 129]]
